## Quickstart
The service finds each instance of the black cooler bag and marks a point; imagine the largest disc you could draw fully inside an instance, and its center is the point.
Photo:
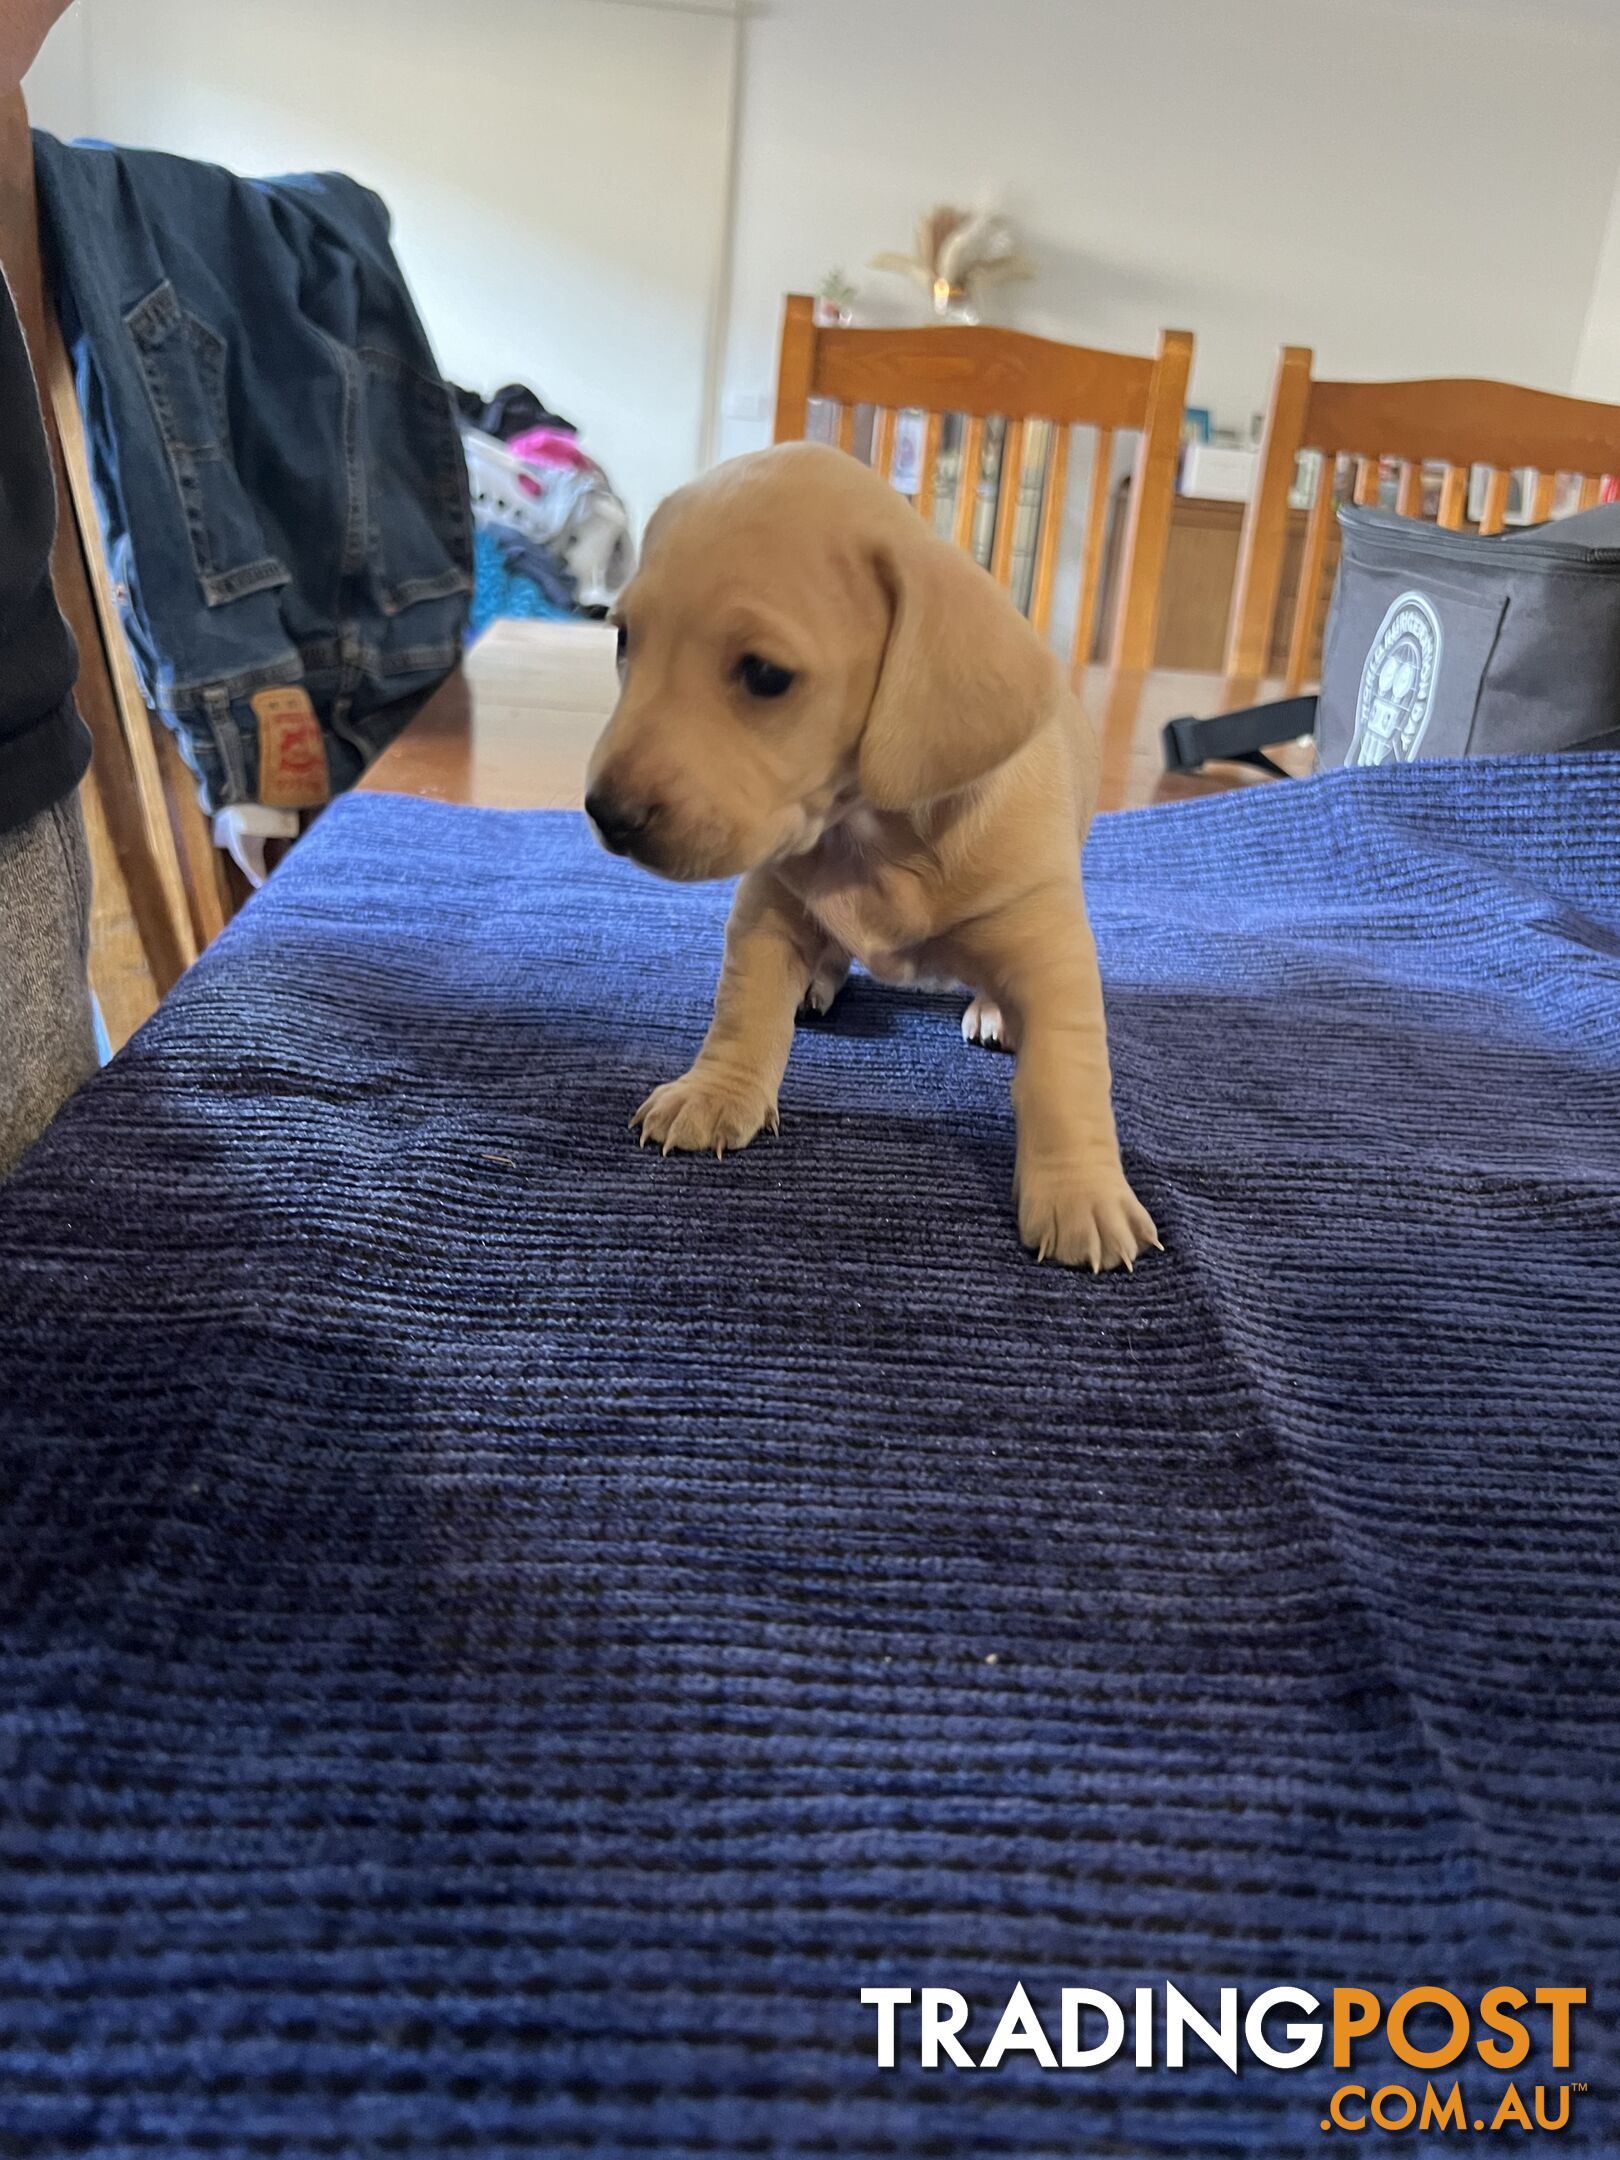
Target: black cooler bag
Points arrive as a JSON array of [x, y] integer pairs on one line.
[[1441, 644]]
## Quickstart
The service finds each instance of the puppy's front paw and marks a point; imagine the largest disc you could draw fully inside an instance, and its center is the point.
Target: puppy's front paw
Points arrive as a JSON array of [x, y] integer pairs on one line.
[[701, 1114], [1083, 1217]]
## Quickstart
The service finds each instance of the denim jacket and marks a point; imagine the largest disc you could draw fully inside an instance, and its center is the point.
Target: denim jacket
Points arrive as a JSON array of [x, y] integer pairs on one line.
[[279, 477]]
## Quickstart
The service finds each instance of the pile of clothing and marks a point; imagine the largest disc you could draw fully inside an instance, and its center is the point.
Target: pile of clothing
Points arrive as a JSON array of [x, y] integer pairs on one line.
[[552, 538], [276, 465]]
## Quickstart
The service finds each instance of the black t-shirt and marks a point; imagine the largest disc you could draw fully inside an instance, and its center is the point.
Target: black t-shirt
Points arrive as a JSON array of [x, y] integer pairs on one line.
[[44, 745]]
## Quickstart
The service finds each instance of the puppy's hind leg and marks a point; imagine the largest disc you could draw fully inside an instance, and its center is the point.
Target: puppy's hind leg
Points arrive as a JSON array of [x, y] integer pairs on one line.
[[985, 1022], [832, 972]]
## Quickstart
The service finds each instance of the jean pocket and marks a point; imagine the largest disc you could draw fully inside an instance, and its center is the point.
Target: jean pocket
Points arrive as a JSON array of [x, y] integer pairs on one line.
[[183, 363], [419, 530]]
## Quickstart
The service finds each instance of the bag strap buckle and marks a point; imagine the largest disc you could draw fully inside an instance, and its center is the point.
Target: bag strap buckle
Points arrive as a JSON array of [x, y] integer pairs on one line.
[[1237, 738]]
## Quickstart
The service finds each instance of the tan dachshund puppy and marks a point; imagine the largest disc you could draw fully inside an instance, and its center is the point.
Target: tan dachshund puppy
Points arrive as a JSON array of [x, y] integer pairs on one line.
[[824, 700]]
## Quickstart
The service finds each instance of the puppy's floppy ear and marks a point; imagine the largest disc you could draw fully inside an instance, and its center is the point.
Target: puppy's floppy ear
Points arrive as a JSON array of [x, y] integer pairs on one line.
[[965, 682]]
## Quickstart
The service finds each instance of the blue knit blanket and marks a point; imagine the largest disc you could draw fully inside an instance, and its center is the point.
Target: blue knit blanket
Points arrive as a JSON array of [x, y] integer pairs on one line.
[[504, 1637]]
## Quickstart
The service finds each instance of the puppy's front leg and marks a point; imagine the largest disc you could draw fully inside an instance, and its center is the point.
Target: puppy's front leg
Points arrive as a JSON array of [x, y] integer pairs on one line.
[[1075, 1205], [773, 951]]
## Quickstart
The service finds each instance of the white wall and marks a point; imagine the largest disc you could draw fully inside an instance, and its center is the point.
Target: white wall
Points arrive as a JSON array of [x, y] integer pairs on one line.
[[1411, 186], [556, 170], [1597, 365], [58, 83]]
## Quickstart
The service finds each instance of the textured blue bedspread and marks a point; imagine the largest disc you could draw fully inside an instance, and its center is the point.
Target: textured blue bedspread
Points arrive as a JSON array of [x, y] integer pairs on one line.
[[502, 1637]]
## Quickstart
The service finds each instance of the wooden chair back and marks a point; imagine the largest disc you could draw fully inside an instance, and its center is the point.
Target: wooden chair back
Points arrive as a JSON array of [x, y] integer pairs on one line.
[[1028, 393], [1566, 445], [160, 889]]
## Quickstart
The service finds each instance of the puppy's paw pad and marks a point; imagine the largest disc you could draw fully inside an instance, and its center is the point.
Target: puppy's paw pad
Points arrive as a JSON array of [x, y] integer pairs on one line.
[[1084, 1221], [698, 1116], [983, 1023], [822, 994]]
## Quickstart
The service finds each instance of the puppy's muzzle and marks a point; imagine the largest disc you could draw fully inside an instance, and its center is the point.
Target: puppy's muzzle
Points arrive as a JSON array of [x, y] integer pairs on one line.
[[623, 826]]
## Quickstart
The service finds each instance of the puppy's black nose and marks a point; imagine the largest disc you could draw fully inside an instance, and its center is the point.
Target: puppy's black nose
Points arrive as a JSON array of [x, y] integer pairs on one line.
[[620, 826]]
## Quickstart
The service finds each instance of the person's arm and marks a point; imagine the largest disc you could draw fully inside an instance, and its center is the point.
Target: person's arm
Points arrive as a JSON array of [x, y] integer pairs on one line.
[[24, 25], [44, 747]]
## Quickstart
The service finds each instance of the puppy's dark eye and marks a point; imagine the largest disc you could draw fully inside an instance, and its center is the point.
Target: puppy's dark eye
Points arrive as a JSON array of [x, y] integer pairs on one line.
[[763, 678], [624, 644]]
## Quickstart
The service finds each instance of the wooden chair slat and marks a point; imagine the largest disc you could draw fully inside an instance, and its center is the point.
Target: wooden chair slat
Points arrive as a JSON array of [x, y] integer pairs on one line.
[[1264, 539], [1409, 494], [933, 429], [1497, 488], [795, 366], [1085, 618], [1542, 498], [1054, 495], [1147, 523], [1317, 527], [967, 482], [208, 893], [1454, 498], [1367, 479], [1591, 491], [1007, 491], [179, 835], [846, 428], [883, 442], [120, 962]]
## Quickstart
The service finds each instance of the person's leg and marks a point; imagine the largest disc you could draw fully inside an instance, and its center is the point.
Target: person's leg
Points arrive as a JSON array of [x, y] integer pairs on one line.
[[47, 1036]]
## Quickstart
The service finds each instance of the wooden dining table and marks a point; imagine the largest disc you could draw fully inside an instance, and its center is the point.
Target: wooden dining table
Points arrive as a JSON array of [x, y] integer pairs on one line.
[[513, 727]]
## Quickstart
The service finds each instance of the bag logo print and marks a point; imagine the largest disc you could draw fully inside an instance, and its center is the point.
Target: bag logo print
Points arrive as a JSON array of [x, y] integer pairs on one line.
[[1398, 684]]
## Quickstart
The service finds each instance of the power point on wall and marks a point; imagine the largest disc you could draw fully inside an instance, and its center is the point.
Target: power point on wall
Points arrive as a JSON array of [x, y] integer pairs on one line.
[[745, 405]]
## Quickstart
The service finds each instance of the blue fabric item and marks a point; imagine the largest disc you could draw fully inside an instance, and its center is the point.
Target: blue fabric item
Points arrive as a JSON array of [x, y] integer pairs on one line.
[[277, 465], [539, 566], [502, 591], [504, 1635]]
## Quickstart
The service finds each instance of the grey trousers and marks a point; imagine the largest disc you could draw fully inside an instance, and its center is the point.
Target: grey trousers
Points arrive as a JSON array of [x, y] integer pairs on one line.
[[47, 1036]]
